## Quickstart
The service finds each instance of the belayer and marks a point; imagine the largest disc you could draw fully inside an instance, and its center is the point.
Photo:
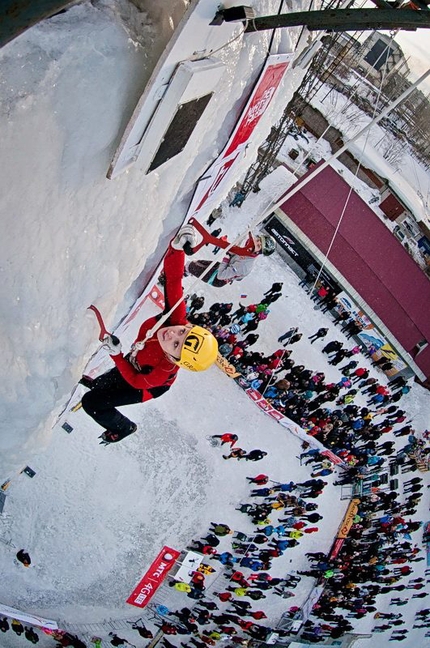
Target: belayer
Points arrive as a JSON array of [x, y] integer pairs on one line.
[[151, 367]]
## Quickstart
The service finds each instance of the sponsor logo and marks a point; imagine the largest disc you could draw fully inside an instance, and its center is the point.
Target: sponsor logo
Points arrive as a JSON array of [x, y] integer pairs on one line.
[[193, 342], [260, 106], [228, 369], [188, 365], [286, 243], [153, 578]]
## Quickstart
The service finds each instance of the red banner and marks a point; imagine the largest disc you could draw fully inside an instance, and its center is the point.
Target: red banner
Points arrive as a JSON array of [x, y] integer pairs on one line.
[[261, 98], [268, 408], [220, 177], [219, 171], [157, 572], [337, 546]]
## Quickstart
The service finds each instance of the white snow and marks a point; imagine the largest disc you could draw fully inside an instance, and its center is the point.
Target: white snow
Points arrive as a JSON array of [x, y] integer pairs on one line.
[[407, 177], [94, 518]]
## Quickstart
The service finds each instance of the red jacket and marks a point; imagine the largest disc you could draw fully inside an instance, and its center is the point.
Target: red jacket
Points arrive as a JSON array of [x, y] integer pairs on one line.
[[360, 371], [382, 390], [155, 369], [258, 614], [245, 625]]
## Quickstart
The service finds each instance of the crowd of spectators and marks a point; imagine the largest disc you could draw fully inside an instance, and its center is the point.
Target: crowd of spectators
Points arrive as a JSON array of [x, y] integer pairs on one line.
[[379, 554]]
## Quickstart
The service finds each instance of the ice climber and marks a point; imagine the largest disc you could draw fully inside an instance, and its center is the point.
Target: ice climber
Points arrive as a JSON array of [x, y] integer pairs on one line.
[[150, 368]]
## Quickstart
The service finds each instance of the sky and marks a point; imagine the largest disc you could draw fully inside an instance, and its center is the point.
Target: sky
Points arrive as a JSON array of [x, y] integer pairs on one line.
[[415, 46]]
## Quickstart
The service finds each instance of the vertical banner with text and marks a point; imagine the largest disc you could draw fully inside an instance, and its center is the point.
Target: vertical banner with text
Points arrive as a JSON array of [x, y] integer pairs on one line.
[[151, 581], [219, 178]]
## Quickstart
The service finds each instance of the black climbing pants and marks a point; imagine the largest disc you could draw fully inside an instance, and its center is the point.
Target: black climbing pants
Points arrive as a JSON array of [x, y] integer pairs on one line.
[[109, 391]]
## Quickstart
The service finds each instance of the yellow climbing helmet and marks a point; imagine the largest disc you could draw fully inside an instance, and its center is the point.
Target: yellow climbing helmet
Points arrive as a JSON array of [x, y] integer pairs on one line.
[[199, 350]]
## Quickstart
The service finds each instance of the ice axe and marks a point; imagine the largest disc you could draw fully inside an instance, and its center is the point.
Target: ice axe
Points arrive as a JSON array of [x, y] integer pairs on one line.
[[103, 330], [208, 239]]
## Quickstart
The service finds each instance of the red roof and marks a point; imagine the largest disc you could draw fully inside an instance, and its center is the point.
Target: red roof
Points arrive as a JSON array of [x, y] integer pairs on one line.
[[368, 255]]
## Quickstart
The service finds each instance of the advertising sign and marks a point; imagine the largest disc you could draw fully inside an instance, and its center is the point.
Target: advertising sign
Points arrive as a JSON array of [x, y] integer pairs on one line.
[[426, 541], [337, 546], [157, 572], [290, 244], [259, 101], [346, 304], [33, 619], [190, 563], [297, 251], [227, 368], [283, 420], [332, 457], [311, 601], [369, 335], [220, 177], [348, 519]]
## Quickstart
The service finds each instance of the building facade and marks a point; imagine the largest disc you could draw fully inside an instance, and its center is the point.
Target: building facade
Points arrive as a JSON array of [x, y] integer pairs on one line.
[[366, 260]]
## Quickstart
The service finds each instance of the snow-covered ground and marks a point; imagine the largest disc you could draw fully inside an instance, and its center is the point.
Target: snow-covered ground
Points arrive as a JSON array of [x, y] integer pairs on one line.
[[379, 150]]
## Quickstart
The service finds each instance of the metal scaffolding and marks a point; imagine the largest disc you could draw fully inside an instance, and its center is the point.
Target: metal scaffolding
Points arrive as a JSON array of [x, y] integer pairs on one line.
[[317, 74]]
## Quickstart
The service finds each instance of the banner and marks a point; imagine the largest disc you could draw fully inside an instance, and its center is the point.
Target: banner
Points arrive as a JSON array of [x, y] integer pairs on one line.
[[370, 335], [332, 457], [227, 368], [33, 619], [283, 420], [337, 546], [344, 528], [219, 178], [311, 601], [157, 572], [348, 519], [345, 303], [190, 563], [292, 246], [426, 541]]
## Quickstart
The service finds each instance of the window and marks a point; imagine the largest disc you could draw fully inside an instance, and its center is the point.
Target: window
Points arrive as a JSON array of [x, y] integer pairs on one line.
[[180, 130], [378, 55]]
